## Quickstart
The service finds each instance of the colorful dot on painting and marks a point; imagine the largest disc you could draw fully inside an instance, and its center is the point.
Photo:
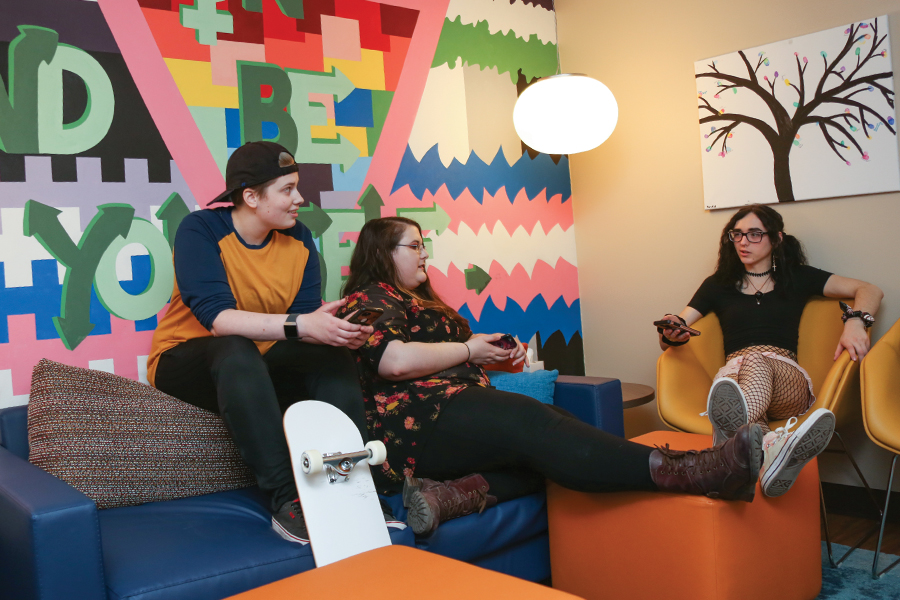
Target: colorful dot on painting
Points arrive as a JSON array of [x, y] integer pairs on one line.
[[797, 136], [716, 96], [890, 120], [708, 148], [730, 135], [722, 111], [767, 62], [796, 143], [805, 60], [761, 53], [857, 51], [846, 110], [766, 77], [848, 162], [864, 25], [865, 156], [776, 74], [843, 69], [871, 89], [796, 54], [787, 81], [722, 154], [713, 128], [847, 31], [868, 37], [823, 53], [883, 53], [852, 128], [796, 105]]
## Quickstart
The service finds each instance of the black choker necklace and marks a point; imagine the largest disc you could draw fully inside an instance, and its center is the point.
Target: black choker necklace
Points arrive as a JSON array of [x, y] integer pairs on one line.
[[763, 274]]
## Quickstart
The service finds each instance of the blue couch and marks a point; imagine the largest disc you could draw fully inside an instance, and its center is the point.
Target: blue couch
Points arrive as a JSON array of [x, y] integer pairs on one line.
[[54, 543]]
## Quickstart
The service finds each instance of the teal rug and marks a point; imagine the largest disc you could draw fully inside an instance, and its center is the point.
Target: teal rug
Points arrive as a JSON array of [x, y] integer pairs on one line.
[[853, 579]]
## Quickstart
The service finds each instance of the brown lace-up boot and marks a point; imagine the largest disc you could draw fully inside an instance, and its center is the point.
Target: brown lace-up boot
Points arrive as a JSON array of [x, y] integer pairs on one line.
[[437, 501], [728, 471]]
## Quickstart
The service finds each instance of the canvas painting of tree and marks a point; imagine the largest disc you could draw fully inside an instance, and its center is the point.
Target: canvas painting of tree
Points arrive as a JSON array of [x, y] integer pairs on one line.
[[804, 118]]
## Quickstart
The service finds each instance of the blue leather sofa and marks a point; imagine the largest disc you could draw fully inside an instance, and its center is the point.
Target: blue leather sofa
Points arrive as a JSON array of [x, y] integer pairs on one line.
[[55, 544]]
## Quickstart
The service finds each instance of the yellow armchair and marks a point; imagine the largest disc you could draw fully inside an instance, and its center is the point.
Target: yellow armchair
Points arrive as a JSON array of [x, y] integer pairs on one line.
[[880, 386], [684, 374]]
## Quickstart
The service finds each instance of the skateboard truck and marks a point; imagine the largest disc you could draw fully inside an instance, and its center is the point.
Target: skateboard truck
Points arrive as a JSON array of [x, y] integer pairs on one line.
[[337, 465]]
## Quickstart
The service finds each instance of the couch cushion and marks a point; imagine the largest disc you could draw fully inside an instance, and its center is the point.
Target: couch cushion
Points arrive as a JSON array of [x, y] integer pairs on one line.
[[206, 547], [122, 443], [477, 536]]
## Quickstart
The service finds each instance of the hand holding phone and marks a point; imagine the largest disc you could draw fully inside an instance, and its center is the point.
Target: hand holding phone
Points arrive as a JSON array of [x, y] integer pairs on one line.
[[669, 324], [365, 316], [506, 342]]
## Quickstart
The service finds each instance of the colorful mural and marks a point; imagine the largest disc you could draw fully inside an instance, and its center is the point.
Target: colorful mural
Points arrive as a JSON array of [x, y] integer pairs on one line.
[[117, 118]]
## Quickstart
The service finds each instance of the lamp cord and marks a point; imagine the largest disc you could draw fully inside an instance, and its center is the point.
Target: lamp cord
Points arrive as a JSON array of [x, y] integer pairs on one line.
[[556, 31]]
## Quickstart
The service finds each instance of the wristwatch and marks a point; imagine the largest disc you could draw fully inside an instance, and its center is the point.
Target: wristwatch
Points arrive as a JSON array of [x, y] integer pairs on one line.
[[867, 319], [290, 327]]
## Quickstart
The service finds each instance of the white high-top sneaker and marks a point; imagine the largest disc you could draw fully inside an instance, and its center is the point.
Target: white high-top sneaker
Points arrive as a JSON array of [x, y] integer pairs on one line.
[[786, 453]]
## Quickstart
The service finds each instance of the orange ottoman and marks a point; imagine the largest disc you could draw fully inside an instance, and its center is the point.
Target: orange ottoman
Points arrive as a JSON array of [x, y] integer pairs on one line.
[[397, 573], [651, 545]]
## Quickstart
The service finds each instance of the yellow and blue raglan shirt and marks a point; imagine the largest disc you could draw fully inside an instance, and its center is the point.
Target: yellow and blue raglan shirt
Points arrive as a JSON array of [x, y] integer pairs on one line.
[[216, 270]]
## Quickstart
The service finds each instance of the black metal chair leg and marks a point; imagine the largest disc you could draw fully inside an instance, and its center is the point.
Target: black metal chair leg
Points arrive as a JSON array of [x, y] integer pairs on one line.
[[836, 563], [887, 499]]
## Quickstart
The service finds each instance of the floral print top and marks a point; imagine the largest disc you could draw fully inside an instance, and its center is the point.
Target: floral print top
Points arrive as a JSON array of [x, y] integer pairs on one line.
[[402, 413]]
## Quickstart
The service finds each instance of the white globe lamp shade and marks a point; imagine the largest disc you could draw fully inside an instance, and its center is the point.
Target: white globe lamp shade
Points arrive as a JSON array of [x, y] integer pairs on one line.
[[565, 114]]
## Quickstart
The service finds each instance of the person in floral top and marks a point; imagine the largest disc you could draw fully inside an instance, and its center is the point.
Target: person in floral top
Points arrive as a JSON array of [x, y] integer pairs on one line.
[[428, 398]]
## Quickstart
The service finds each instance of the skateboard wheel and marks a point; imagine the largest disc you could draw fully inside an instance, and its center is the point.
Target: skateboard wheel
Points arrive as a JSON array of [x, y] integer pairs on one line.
[[311, 461], [377, 452]]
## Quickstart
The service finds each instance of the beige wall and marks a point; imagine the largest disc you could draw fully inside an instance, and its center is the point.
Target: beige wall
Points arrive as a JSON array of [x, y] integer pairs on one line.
[[644, 240]]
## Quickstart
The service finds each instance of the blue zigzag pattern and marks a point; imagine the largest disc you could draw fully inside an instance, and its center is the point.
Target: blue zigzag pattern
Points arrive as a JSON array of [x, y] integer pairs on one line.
[[534, 176], [524, 323]]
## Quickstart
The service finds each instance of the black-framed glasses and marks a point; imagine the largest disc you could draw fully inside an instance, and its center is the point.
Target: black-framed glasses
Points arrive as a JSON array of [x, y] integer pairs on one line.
[[417, 246], [754, 236]]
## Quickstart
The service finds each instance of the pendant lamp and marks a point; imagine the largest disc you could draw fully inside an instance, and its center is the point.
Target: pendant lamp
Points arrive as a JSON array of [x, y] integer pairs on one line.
[[565, 113]]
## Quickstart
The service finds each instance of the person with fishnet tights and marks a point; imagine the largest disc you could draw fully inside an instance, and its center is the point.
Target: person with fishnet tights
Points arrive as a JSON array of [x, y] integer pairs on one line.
[[758, 291]]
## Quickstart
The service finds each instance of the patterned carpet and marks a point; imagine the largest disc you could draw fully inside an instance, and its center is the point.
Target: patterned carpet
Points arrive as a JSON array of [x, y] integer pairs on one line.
[[853, 580]]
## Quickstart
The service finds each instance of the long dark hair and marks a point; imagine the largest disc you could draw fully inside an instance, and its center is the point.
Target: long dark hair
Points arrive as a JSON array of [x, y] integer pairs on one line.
[[373, 262], [786, 250]]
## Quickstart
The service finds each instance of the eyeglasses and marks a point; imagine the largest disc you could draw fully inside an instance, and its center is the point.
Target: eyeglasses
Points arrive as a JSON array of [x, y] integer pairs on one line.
[[418, 247], [754, 236]]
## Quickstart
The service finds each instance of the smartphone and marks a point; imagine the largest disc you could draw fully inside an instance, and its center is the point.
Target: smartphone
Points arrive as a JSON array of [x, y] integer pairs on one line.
[[668, 324], [507, 342], [366, 316]]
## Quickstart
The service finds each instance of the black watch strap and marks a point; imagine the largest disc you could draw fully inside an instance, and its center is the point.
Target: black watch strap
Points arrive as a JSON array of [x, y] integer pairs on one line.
[[290, 326]]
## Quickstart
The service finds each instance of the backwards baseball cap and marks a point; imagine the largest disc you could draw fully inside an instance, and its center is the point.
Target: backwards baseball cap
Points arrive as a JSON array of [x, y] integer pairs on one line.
[[255, 163]]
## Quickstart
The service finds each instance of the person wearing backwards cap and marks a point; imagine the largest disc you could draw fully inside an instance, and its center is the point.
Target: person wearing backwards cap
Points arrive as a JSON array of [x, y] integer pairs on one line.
[[246, 331]]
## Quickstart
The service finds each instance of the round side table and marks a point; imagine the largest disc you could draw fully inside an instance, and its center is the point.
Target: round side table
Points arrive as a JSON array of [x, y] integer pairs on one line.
[[636, 394]]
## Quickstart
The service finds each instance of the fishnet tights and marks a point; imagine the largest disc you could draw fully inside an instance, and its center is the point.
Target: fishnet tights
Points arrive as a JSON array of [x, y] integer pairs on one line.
[[774, 389]]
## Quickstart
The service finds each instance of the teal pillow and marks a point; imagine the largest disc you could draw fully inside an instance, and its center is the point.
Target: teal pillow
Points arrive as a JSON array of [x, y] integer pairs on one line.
[[539, 384]]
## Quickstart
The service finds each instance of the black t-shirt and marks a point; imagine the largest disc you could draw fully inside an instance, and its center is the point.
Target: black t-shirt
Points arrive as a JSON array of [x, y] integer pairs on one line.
[[775, 321]]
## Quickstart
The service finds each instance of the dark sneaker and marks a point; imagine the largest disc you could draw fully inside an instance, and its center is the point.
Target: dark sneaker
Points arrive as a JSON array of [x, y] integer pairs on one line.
[[389, 519], [288, 522], [726, 408], [786, 452], [728, 471]]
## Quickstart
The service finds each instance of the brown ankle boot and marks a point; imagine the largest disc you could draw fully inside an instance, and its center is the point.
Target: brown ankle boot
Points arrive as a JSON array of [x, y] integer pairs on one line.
[[412, 485], [728, 471], [432, 504]]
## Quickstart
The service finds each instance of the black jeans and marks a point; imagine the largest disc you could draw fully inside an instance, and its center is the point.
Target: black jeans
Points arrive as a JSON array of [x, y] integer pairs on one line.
[[516, 443], [227, 375]]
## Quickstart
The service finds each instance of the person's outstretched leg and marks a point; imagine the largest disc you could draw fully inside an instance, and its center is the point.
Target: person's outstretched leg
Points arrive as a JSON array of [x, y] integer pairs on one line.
[[483, 430], [787, 452]]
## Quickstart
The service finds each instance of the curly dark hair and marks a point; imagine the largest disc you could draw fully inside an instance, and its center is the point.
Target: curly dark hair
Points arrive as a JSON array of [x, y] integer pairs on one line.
[[786, 250], [372, 262]]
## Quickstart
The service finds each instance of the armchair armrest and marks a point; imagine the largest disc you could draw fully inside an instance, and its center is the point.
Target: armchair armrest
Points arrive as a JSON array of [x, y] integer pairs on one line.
[[595, 400], [682, 386], [49, 536]]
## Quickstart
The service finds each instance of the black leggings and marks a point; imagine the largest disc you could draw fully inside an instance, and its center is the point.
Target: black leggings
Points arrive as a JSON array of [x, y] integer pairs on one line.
[[517, 442], [227, 375]]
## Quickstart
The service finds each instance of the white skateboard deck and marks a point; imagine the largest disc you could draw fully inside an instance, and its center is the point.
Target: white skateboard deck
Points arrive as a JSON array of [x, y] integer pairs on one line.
[[342, 518]]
